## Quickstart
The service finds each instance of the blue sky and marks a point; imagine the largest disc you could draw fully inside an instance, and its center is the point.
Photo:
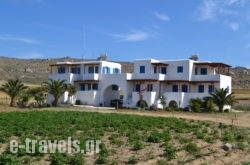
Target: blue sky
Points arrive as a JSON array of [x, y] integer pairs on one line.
[[216, 30]]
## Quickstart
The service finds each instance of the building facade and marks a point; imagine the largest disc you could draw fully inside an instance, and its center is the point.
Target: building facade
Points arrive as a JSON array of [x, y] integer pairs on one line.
[[99, 82]]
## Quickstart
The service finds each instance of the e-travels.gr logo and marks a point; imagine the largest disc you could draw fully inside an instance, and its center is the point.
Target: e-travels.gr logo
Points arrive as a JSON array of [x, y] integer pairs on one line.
[[51, 146]]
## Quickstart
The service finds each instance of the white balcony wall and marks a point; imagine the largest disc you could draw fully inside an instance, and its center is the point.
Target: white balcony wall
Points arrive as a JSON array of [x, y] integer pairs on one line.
[[89, 97], [91, 76], [69, 77], [206, 78]]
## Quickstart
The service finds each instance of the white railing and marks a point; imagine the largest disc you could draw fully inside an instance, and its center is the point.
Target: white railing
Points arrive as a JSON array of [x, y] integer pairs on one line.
[[205, 78]]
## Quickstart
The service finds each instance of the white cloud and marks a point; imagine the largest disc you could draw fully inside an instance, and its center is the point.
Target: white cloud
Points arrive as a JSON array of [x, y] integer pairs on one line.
[[232, 2], [18, 39], [162, 17], [228, 12], [234, 26], [132, 36], [248, 46], [207, 10]]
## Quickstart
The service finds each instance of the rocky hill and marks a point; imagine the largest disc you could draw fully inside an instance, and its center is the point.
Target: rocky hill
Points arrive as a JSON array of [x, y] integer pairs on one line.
[[35, 71]]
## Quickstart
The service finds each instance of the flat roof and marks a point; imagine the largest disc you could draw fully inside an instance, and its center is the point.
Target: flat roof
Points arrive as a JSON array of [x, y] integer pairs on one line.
[[213, 64]]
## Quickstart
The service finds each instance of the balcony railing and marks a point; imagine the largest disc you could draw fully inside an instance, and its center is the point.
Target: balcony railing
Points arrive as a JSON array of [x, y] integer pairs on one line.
[[145, 76], [205, 78]]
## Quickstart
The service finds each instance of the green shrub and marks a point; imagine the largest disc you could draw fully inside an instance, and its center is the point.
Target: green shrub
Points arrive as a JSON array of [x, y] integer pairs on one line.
[[169, 152], [133, 160], [192, 148], [138, 145]]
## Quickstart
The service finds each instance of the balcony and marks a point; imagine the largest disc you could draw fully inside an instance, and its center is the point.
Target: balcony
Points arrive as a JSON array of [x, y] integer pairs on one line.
[[144, 76], [201, 78], [69, 77], [92, 76]]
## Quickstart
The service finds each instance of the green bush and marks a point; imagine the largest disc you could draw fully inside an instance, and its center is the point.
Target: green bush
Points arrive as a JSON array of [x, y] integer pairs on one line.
[[133, 160], [192, 148], [169, 152]]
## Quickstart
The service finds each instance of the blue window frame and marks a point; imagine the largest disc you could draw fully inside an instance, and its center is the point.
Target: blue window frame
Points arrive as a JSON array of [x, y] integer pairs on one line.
[[91, 69], [211, 88], [76, 70], [184, 88], [106, 70], [96, 69], [179, 69], [164, 70], [142, 69], [116, 70], [155, 69], [175, 88], [203, 71], [137, 87], [61, 70], [95, 86], [89, 87], [201, 88], [150, 87], [82, 87]]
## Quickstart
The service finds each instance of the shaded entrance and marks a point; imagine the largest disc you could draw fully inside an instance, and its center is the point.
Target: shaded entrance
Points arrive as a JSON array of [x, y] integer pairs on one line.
[[111, 93]]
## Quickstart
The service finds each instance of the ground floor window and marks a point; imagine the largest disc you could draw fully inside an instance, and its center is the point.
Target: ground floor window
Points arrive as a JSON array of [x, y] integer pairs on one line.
[[175, 88], [184, 88], [150, 87], [211, 88], [201, 88]]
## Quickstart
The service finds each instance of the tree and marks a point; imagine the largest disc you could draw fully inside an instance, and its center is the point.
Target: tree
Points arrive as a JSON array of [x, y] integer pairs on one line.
[[195, 104], [13, 88], [39, 94], [221, 97], [71, 91], [56, 88], [163, 101]]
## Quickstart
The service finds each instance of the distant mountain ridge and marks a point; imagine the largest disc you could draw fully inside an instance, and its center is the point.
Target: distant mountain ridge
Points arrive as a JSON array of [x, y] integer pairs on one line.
[[35, 71]]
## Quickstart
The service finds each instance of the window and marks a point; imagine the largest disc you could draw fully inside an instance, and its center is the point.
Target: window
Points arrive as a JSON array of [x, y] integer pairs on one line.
[[76, 70], [211, 88], [142, 69], [116, 70], [203, 71], [175, 88], [150, 87], [105, 70], [96, 69], [155, 69], [82, 87], [137, 87], [184, 88], [196, 71], [201, 88], [61, 70], [89, 87], [91, 69], [95, 86], [163, 70], [115, 88], [179, 69]]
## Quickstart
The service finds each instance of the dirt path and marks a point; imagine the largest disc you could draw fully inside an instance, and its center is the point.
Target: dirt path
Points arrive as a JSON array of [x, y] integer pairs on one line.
[[238, 118]]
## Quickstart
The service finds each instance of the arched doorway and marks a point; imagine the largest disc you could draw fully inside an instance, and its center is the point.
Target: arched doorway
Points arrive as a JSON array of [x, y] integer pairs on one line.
[[112, 93], [173, 104]]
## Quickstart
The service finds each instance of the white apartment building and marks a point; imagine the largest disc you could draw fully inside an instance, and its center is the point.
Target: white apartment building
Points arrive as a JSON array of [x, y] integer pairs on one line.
[[99, 82]]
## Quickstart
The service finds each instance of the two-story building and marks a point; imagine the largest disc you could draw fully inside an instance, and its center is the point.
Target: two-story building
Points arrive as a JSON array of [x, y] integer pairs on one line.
[[99, 82]]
